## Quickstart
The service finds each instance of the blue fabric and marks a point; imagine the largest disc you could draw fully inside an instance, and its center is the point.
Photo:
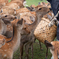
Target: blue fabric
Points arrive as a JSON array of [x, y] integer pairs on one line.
[[49, 1], [54, 5], [55, 9], [57, 31]]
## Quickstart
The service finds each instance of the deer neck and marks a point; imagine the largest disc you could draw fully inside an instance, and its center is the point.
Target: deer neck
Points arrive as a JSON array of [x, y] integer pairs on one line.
[[16, 38], [39, 17], [32, 26]]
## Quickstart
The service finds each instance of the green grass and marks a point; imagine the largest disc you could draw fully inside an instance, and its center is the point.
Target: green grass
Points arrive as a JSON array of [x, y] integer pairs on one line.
[[35, 2], [38, 54], [9, 0]]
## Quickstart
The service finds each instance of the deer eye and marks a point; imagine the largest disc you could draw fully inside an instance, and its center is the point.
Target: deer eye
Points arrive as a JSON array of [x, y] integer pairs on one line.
[[40, 8], [5, 15], [25, 28]]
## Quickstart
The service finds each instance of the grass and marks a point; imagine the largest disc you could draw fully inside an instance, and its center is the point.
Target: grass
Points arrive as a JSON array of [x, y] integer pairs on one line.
[[38, 54], [35, 2]]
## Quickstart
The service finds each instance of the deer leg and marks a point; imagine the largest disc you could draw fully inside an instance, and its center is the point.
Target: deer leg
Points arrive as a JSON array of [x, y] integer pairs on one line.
[[27, 51], [21, 51], [46, 53], [10, 56], [40, 45], [32, 50]]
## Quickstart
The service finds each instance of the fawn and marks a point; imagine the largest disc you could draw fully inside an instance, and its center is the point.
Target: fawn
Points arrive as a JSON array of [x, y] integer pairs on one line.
[[10, 46], [54, 48]]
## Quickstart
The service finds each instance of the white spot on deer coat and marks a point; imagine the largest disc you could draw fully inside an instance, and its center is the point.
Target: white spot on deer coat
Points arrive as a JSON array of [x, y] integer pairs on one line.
[[5, 55]]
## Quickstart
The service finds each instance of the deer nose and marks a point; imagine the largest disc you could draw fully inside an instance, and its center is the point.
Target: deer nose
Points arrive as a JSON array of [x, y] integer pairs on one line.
[[15, 17], [2, 19], [50, 9]]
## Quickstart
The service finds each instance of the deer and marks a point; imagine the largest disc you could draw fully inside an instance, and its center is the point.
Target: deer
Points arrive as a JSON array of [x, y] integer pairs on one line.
[[7, 10], [16, 4], [54, 48], [53, 45], [45, 4], [11, 45], [31, 7], [12, 6], [6, 30], [22, 10], [29, 38], [47, 16], [3, 3], [24, 13], [23, 1]]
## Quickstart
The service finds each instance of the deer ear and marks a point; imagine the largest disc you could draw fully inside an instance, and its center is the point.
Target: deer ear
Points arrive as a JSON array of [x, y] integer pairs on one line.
[[48, 44], [28, 8], [39, 3], [43, 3], [20, 21]]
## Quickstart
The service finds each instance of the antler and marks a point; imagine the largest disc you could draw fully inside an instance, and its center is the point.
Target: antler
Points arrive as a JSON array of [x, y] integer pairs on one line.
[[53, 20]]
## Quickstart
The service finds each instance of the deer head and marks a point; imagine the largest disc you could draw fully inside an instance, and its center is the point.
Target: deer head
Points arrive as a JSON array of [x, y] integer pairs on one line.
[[42, 10], [46, 4], [7, 10], [54, 48], [8, 17], [6, 29]]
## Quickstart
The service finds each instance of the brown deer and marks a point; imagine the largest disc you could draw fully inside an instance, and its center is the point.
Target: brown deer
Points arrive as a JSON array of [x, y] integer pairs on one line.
[[3, 3], [27, 15], [16, 4], [6, 30], [7, 10], [7, 50], [29, 38], [22, 10], [23, 1], [54, 48], [46, 4], [12, 6]]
